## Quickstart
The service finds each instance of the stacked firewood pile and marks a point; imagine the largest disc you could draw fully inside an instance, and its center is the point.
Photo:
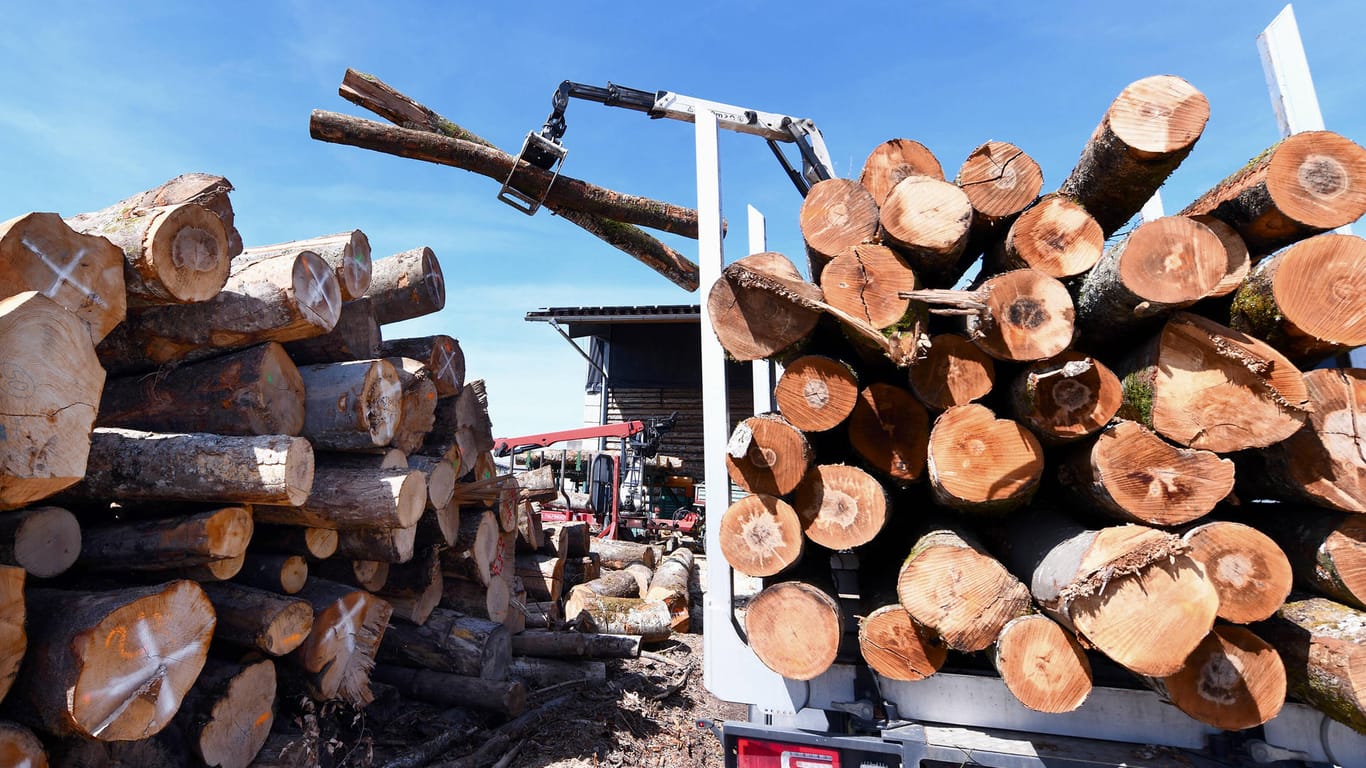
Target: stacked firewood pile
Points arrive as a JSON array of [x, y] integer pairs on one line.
[[222, 484], [1112, 456]]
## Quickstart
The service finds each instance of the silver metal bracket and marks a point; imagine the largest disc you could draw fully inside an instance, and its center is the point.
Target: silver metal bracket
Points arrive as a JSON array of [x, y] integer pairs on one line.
[[543, 150]]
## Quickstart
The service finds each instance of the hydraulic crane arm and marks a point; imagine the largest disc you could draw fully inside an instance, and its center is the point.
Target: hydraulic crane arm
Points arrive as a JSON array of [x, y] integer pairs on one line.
[[505, 445]]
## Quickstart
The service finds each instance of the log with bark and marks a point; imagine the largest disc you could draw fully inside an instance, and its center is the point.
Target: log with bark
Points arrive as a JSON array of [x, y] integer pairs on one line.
[[461, 428], [203, 189], [834, 215], [356, 336], [440, 353], [221, 569], [1232, 680], [620, 554], [289, 748], [530, 535], [670, 586], [449, 642], [1130, 474], [1203, 385], [893, 160], [1019, 316], [257, 391], [441, 480], [50, 383], [578, 570], [131, 465], [890, 430], [472, 553], [280, 299], [83, 273], [227, 715], [650, 619], [414, 588], [351, 406], [318, 543], [840, 507], [766, 454], [1323, 645], [355, 492], [160, 544], [928, 220], [347, 253], [417, 405], [867, 281], [953, 372], [544, 673], [1055, 236], [575, 645], [753, 321], [490, 601], [543, 575], [816, 393], [505, 697], [1326, 550], [286, 574], [897, 647], [369, 575], [796, 655], [1065, 398], [1000, 180], [1309, 183], [1246, 568], [1144, 135], [573, 539], [760, 535], [339, 652], [380, 545], [259, 619], [979, 463], [1042, 665], [112, 666], [44, 541]]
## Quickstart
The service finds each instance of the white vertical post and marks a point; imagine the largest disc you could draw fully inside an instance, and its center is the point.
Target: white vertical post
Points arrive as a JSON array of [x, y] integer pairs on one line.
[[1287, 75], [1152, 209], [762, 370]]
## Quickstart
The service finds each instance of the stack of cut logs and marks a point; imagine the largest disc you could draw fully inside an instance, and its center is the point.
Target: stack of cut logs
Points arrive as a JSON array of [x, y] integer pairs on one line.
[[1097, 457], [215, 472]]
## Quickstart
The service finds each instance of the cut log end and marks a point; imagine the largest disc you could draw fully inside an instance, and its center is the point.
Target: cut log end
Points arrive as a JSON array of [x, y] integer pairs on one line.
[[841, 507], [239, 721], [20, 748], [866, 281], [767, 455], [316, 290], [761, 535], [1173, 261], [961, 593], [1318, 178], [1042, 664], [1232, 680], [836, 214], [1239, 261], [777, 611], [816, 393], [1000, 179], [977, 461], [1159, 115], [47, 540], [890, 430], [894, 160], [752, 322], [898, 648], [1028, 316], [1056, 237], [1066, 397], [929, 219], [954, 372], [1146, 479], [1247, 569], [81, 272], [194, 245]]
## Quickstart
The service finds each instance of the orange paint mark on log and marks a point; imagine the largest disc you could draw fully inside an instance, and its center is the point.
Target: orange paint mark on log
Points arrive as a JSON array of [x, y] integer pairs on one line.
[[260, 721]]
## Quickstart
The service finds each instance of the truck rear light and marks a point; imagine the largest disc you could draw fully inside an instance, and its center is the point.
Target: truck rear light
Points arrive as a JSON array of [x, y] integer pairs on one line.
[[756, 753]]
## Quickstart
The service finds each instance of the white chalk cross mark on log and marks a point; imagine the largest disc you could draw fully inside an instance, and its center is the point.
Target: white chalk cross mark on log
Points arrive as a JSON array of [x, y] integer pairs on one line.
[[345, 628], [65, 274], [146, 678], [436, 286], [317, 293], [446, 370]]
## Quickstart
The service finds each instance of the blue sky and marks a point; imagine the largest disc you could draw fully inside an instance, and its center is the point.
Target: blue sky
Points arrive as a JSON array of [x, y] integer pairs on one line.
[[102, 100]]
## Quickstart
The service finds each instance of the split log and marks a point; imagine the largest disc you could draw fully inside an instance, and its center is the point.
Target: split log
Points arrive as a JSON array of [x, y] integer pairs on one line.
[[414, 588], [152, 643], [227, 715], [382, 545], [417, 406], [489, 601], [576, 645], [49, 385], [339, 652], [173, 254], [893, 160], [1232, 680], [258, 618], [318, 543], [1239, 261], [369, 92], [1308, 301], [285, 574], [840, 507], [980, 463], [1202, 385], [614, 584], [952, 586], [928, 220], [890, 430], [440, 353], [257, 391], [544, 673], [1020, 316], [1162, 266], [1146, 132], [1323, 645], [543, 575], [1326, 550], [1129, 591], [897, 647], [350, 494], [351, 406], [1055, 236], [751, 320], [816, 393], [1130, 474], [642, 574], [356, 336], [506, 697], [44, 541], [796, 655], [130, 465], [475, 547], [1309, 183], [834, 215], [650, 619], [620, 554], [83, 273], [766, 454], [280, 299], [1065, 398], [19, 747], [14, 641], [449, 642], [760, 535], [165, 543], [347, 253], [954, 372], [1246, 568], [1042, 664], [1000, 180]]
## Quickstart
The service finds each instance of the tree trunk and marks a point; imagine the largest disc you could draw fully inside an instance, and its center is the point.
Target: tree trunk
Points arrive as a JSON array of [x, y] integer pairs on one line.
[[347, 253], [979, 463], [280, 299], [893, 160], [840, 507], [543, 575], [506, 697], [836, 214], [112, 666], [576, 645], [890, 430], [348, 495], [173, 254], [543, 673], [1232, 680], [928, 220], [614, 584], [414, 588], [44, 541], [760, 535], [1042, 664], [407, 285], [796, 655], [952, 586], [227, 715], [1065, 398], [83, 273], [1202, 385], [954, 372], [338, 654], [1146, 132], [449, 642], [165, 543], [1246, 568], [1130, 474], [620, 554], [129, 465], [650, 619], [670, 585], [259, 619], [1323, 645], [1000, 180], [1309, 183], [1018, 316], [766, 454], [1129, 591], [257, 391], [1326, 550], [489, 601], [417, 406], [351, 406], [750, 318], [48, 390], [20, 748], [356, 336], [816, 393], [285, 574], [1055, 236], [318, 543], [440, 353], [383, 545], [897, 647], [1238, 261]]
